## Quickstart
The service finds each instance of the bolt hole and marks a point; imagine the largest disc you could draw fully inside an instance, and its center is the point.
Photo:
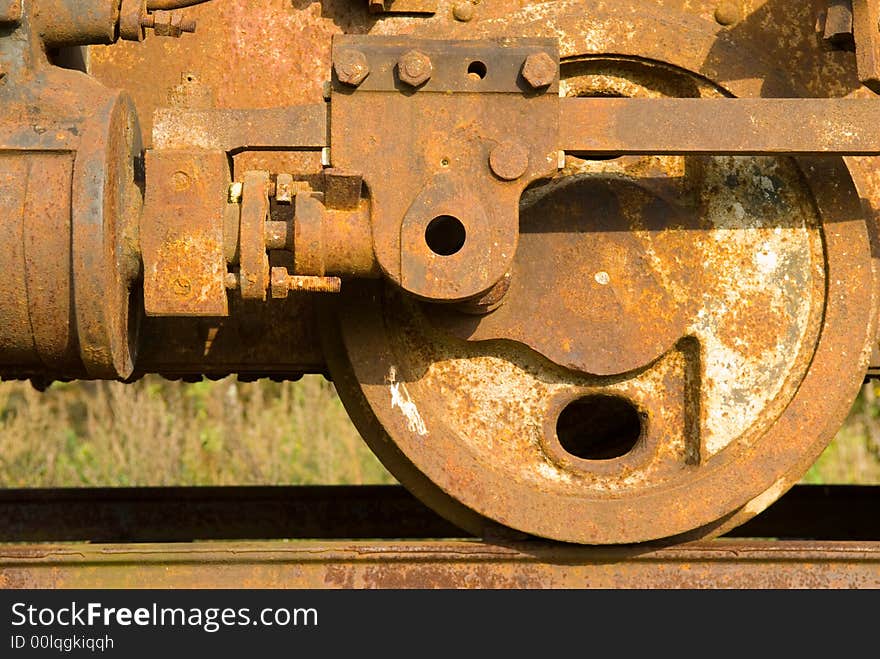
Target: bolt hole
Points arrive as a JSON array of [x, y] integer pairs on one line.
[[477, 70], [599, 427], [445, 235], [444, 162]]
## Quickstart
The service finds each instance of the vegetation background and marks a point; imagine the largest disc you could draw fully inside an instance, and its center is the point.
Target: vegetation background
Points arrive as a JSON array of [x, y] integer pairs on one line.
[[155, 432]]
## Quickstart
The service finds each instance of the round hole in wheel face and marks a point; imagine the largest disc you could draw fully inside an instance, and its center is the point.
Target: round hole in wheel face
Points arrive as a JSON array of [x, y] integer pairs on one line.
[[477, 70], [445, 235], [599, 427]]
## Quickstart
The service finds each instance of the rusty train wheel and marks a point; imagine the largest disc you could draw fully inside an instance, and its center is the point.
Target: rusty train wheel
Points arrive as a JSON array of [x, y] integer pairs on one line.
[[663, 360]]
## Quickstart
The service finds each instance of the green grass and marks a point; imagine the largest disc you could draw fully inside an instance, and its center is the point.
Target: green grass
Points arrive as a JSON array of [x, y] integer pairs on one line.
[[155, 432]]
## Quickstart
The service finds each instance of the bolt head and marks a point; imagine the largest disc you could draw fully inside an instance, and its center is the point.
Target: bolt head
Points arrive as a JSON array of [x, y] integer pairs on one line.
[[539, 70], [463, 11], [727, 13], [509, 160], [351, 67], [414, 68]]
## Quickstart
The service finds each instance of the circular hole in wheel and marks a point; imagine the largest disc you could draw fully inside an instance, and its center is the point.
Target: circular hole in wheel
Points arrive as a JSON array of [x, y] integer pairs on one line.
[[599, 427], [477, 70], [445, 235]]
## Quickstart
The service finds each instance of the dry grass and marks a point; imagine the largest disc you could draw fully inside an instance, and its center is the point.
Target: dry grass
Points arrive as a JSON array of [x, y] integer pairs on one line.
[[156, 432]]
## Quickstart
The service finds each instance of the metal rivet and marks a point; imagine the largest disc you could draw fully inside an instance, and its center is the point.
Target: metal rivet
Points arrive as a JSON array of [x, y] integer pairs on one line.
[[509, 160], [463, 11], [727, 13]]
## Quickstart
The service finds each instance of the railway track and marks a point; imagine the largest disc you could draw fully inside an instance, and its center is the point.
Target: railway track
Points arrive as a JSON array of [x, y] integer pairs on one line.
[[378, 536]]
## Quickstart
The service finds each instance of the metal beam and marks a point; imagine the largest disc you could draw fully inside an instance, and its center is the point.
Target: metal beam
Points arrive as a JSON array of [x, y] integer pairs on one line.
[[732, 126]]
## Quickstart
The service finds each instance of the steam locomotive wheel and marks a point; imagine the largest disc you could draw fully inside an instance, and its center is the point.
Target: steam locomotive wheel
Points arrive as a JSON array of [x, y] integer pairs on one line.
[[681, 338]]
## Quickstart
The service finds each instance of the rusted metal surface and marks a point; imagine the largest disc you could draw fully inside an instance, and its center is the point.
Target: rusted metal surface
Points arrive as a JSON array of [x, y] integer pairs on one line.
[[435, 564], [866, 33], [181, 233], [69, 155], [291, 128], [254, 262], [653, 126]]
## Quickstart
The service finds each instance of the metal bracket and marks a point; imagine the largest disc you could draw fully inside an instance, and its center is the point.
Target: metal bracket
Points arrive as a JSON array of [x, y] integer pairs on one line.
[[447, 135]]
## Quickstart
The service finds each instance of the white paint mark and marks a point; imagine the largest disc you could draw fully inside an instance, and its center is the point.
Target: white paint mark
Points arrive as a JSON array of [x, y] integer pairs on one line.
[[400, 398], [603, 278]]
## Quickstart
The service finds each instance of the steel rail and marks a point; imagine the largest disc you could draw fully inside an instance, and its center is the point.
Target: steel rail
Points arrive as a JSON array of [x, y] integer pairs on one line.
[[719, 126], [442, 564], [339, 519]]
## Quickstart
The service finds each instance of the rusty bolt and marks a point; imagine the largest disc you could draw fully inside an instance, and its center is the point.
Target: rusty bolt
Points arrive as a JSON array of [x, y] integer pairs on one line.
[[463, 11], [351, 67], [509, 160], [414, 68], [283, 283], [168, 23], [727, 13], [539, 70]]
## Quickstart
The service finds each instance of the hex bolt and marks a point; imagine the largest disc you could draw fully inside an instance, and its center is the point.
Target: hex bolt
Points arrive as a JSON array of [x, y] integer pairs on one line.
[[414, 68], [509, 160], [539, 70], [351, 67]]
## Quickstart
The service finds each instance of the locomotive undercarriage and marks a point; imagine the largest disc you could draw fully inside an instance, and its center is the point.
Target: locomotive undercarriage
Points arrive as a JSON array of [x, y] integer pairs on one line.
[[601, 272]]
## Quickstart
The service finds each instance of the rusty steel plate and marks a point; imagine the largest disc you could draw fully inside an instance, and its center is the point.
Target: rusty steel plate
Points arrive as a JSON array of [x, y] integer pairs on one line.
[[642, 379]]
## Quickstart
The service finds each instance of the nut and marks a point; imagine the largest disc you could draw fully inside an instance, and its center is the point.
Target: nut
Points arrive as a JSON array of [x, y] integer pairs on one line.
[[351, 67], [539, 70], [414, 68]]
